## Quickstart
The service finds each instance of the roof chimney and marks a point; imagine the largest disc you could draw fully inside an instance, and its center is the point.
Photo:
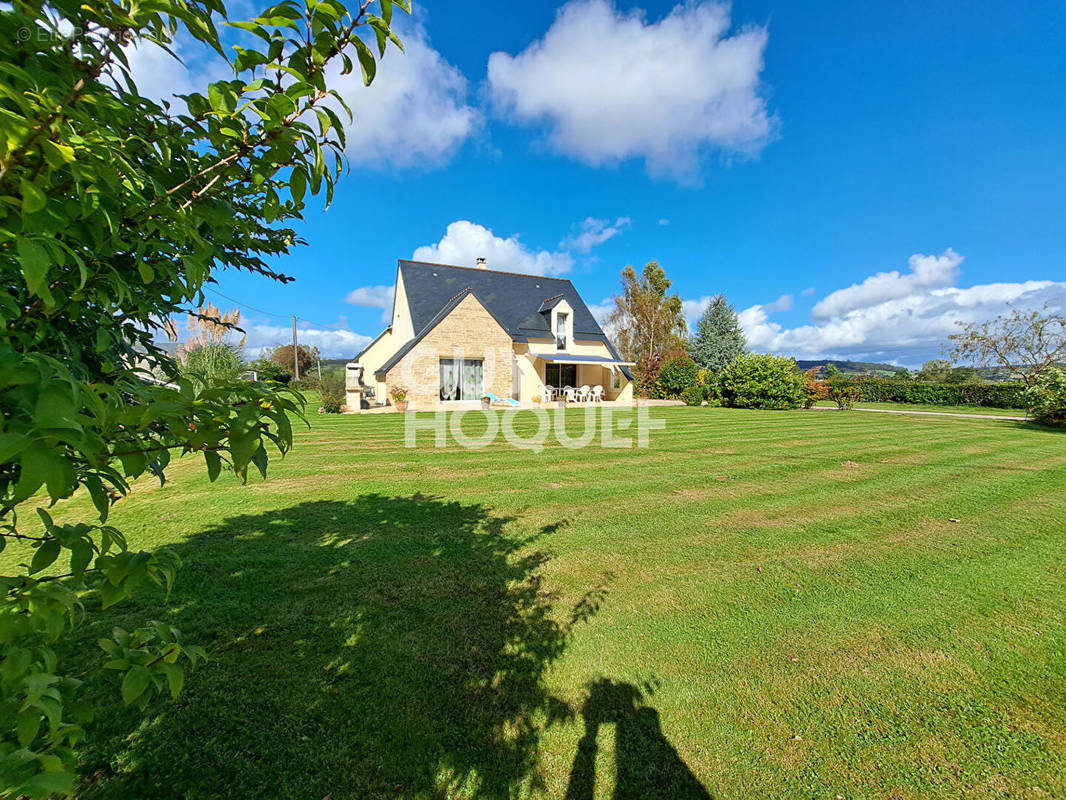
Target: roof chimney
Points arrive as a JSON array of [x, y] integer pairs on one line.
[[481, 263]]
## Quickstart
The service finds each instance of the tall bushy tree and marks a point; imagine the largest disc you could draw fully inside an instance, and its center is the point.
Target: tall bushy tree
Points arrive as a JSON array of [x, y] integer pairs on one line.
[[307, 357], [115, 210], [1025, 344], [647, 324], [719, 339]]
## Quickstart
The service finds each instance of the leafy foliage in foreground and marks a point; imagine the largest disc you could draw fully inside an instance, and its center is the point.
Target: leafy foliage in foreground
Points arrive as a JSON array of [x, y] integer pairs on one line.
[[114, 211]]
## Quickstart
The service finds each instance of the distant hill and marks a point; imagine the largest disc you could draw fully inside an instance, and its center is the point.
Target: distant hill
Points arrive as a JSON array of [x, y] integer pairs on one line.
[[856, 367]]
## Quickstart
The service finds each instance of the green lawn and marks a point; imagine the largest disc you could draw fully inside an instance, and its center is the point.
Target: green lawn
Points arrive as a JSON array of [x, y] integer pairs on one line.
[[760, 605], [997, 412]]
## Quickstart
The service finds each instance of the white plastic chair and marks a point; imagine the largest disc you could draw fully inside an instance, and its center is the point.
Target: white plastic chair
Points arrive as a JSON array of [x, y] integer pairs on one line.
[[571, 394], [597, 394], [583, 393], [546, 394]]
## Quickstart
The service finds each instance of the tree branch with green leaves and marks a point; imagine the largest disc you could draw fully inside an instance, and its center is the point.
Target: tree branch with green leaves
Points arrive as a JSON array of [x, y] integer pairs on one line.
[[116, 211]]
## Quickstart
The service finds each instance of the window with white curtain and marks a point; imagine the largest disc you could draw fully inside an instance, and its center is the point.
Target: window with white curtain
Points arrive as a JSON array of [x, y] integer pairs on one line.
[[462, 378]]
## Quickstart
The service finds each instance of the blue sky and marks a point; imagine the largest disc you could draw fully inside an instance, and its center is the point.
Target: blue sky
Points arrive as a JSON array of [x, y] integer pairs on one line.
[[789, 155]]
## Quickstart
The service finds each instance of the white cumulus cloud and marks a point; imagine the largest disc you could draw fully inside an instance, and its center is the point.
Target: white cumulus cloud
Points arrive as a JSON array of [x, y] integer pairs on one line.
[[905, 317], [373, 297], [464, 242], [925, 272], [592, 232], [693, 309], [415, 113], [783, 303], [331, 343], [610, 85]]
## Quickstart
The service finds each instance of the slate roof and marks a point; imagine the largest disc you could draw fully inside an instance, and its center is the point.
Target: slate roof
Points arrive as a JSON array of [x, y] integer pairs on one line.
[[515, 300]]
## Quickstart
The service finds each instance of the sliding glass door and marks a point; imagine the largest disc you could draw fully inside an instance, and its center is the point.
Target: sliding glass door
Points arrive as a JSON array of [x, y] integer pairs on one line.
[[560, 375], [462, 378]]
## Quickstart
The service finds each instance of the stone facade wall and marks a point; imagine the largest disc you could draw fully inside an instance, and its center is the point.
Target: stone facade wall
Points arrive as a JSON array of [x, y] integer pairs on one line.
[[469, 331]]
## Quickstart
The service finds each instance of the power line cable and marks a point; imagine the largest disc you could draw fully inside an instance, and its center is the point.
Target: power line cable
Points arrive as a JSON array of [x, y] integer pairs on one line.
[[268, 313]]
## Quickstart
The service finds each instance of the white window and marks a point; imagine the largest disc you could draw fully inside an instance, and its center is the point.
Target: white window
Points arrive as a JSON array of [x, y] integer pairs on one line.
[[461, 378], [561, 322]]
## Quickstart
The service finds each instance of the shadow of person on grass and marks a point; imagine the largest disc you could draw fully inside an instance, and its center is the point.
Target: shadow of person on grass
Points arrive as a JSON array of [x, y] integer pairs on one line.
[[646, 765], [386, 646]]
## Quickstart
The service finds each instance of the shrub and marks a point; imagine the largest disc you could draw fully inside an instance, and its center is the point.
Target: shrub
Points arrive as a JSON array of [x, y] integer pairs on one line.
[[646, 372], [889, 390], [1047, 398], [814, 388], [845, 396], [332, 396], [694, 395], [709, 380], [677, 374], [762, 381], [268, 370], [213, 364]]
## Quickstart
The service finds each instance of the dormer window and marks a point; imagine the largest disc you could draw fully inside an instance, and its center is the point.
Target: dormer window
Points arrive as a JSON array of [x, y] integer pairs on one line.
[[562, 321]]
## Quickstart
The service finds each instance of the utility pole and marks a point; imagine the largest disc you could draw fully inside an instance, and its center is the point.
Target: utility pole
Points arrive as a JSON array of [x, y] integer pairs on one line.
[[295, 353], [320, 369]]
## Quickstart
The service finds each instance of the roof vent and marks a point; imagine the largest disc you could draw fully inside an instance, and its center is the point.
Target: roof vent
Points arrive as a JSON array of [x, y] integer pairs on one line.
[[481, 263]]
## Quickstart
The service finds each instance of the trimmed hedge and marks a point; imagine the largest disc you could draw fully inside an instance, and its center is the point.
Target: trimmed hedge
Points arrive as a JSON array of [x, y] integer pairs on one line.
[[887, 390], [762, 381]]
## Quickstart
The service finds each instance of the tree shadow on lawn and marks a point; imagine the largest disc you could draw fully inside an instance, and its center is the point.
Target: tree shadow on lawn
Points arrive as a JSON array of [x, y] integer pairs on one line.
[[646, 764], [387, 646]]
